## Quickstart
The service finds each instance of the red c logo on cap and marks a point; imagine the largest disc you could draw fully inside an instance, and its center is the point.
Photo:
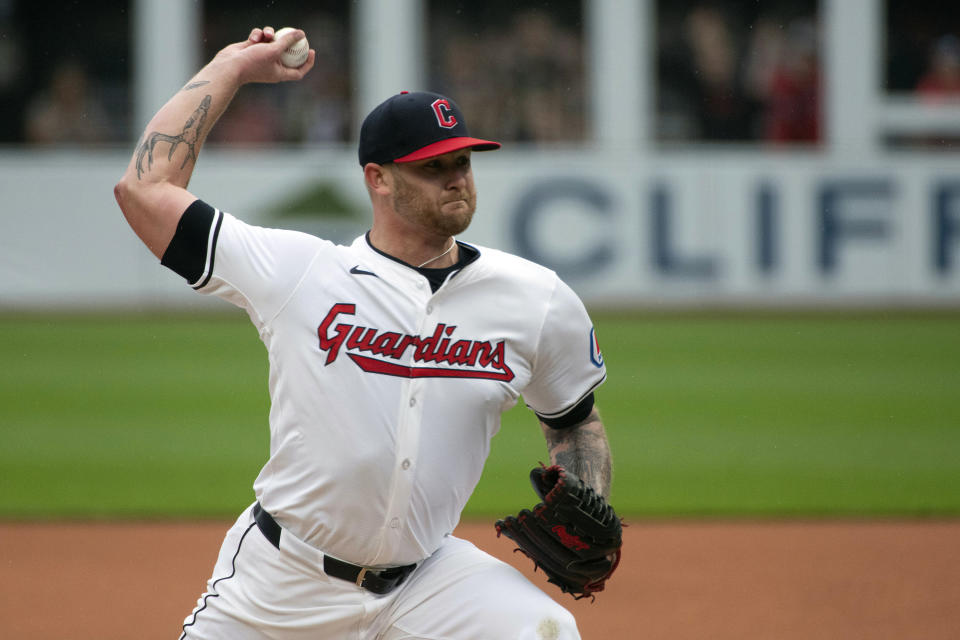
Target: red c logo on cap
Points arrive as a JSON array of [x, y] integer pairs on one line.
[[441, 109]]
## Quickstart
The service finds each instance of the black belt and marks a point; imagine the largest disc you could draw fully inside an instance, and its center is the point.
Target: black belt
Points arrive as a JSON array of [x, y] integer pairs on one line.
[[380, 581]]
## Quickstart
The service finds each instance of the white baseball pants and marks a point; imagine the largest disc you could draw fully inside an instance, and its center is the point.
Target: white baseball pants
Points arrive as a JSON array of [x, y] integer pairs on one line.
[[259, 592]]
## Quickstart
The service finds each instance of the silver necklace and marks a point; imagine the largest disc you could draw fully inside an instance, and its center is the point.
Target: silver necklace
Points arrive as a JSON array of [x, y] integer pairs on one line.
[[453, 242]]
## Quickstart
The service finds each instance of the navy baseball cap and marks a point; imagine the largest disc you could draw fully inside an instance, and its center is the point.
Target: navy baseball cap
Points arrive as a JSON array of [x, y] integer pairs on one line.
[[413, 126]]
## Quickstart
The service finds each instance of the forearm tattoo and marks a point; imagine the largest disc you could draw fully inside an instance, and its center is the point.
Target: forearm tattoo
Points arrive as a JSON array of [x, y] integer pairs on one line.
[[584, 450], [189, 136]]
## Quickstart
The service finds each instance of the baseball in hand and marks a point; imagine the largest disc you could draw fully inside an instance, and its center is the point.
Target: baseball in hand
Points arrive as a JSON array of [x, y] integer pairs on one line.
[[297, 53]]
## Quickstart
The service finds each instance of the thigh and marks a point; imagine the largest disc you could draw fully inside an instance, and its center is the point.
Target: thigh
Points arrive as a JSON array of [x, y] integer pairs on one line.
[[213, 615], [462, 593], [258, 592]]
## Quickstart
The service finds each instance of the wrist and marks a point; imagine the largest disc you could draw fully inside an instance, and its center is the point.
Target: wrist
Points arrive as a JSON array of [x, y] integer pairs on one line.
[[224, 68]]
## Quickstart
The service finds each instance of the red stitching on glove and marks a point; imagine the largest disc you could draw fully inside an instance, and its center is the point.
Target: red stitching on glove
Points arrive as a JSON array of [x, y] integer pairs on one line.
[[569, 540]]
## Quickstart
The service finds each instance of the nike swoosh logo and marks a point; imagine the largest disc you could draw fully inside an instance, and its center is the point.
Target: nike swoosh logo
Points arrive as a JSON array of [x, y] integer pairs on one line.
[[357, 271]]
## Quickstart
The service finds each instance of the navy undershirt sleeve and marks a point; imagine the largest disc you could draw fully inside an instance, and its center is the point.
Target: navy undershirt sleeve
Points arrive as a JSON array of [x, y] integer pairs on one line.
[[187, 252], [575, 416]]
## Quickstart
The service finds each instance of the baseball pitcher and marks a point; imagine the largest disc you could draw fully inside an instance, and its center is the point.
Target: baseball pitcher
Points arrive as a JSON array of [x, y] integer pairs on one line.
[[390, 362]]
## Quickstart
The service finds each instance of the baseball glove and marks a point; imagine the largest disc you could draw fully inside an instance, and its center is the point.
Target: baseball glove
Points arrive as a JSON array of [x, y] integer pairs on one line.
[[573, 534]]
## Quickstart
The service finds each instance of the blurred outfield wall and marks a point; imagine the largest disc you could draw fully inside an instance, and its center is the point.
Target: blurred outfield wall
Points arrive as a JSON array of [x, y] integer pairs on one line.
[[704, 228]]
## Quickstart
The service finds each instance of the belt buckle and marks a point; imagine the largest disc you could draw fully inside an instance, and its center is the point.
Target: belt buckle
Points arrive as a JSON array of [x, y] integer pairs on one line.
[[361, 576]]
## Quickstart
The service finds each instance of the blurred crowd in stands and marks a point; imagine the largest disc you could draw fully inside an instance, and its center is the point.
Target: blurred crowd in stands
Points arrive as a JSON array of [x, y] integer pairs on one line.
[[316, 110], [725, 70], [737, 72], [64, 72], [517, 69], [923, 49]]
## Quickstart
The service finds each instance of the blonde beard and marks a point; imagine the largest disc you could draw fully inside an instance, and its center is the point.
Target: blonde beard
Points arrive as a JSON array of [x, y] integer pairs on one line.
[[412, 206]]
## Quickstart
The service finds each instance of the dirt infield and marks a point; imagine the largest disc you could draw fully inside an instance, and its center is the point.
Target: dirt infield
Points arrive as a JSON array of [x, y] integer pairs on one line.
[[782, 580]]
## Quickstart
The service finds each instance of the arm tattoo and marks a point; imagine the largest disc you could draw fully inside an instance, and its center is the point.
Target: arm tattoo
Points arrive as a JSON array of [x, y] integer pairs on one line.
[[194, 85], [584, 450], [190, 136]]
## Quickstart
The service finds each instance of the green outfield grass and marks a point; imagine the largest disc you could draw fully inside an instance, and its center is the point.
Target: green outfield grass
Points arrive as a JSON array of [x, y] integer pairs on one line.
[[727, 414]]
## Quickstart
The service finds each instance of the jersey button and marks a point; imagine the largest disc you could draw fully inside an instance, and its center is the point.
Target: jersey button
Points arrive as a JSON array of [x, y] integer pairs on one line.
[[413, 402], [395, 523], [429, 309], [406, 464]]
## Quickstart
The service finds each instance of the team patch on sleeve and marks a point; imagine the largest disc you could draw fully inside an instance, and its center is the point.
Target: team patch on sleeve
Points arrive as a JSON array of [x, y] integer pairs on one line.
[[595, 356], [192, 249]]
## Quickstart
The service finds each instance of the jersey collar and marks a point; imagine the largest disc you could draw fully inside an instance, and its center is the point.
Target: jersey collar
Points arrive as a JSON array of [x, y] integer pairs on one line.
[[467, 254]]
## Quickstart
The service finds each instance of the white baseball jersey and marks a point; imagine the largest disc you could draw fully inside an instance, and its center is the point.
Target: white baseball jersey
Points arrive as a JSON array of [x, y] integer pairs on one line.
[[385, 394]]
